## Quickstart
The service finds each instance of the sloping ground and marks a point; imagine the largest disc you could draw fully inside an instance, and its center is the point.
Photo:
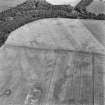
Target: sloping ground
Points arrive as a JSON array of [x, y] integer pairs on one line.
[[53, 61], [97, 29], [97, 7], [84, 3], [84, 35], [33, 10], [29, 11]]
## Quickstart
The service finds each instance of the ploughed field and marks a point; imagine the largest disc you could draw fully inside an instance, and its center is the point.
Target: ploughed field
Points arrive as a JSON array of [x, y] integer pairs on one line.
[[54, 61]]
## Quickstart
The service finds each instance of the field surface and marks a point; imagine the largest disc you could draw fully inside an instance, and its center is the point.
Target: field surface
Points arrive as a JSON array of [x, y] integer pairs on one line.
[[54, 61]]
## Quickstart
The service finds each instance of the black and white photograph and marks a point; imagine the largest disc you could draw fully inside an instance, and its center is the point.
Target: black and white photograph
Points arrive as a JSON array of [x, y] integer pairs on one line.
[[52, 52]]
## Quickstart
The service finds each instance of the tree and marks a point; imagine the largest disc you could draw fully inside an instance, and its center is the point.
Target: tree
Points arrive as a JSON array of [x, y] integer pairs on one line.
[[101, 16]]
